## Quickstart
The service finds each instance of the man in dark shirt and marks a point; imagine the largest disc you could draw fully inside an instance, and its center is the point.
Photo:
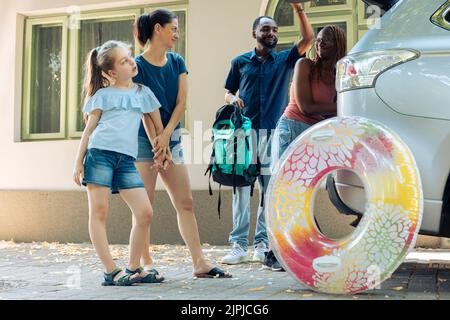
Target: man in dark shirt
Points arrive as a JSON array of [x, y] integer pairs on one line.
[[258, 83]]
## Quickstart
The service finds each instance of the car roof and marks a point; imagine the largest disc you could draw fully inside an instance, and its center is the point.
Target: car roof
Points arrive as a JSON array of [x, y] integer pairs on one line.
[[416, 30]]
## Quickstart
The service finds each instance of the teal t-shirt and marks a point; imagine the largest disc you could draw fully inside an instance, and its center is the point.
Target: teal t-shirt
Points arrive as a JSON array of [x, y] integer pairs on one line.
[[122, 111], [163, 81]]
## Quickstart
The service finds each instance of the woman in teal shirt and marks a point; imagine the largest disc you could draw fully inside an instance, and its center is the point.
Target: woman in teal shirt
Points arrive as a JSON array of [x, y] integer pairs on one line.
[[165, 74]]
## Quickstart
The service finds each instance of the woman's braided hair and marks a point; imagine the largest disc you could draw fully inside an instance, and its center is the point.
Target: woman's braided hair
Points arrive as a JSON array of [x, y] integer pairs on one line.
[[340, 39]]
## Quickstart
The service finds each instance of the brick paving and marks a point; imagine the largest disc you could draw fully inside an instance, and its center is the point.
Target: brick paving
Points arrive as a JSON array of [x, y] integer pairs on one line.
[[73, 272]]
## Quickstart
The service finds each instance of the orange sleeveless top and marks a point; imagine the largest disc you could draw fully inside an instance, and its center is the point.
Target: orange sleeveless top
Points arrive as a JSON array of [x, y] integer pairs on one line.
[[321, 93]]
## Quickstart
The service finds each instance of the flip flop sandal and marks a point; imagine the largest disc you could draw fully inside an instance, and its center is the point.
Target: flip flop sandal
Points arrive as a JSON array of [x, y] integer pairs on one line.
[[150, 278], [213, 273], [123, 281]]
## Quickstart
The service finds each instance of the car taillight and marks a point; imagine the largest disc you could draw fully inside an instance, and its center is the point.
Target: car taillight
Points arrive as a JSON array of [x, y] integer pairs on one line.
[[361, 70]]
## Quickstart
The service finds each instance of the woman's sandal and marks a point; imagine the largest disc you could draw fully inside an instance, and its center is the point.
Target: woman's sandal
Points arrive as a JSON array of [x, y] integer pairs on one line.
[[151, 270], [214, 273], [150, 278], [123, 281]]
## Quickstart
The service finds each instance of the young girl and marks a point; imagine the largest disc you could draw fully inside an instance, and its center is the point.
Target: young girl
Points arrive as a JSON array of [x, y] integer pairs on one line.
[[108, 149]]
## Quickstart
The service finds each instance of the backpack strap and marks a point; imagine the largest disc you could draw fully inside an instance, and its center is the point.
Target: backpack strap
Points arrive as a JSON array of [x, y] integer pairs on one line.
[[210, 169], [262, 181], [209, 185], [262, 192], [236, 117], [247, 143], [234, 164], [209, 180], [252, 189], [219, 203], [234, 179]]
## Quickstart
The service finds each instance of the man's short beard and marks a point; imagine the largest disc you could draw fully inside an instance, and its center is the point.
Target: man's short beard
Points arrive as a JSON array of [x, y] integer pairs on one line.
[[271, 46], [268, 45]]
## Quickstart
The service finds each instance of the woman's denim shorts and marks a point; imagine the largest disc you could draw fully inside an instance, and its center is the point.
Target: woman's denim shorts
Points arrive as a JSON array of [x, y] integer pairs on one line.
[[145, 153], [111, 169]]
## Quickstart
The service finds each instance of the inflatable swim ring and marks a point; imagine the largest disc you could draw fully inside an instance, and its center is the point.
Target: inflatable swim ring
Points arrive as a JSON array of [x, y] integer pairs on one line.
[[391, 221]]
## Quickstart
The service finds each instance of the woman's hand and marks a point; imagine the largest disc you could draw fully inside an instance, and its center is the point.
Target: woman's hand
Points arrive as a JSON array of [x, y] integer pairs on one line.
[[161, 143], [163, 161], [168, 162], [78, 173], [159, 159]]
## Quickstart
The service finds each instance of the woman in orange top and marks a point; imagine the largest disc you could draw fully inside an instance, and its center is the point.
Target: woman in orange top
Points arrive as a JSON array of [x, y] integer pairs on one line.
[[313, 93], [313, 98]]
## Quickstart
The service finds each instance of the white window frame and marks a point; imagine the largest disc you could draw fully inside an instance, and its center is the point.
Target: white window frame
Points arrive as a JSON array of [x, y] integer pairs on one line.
[[70, 65]]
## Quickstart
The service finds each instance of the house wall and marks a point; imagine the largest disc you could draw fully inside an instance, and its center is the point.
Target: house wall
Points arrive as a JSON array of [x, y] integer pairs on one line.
[[215, 34], [39, 201]]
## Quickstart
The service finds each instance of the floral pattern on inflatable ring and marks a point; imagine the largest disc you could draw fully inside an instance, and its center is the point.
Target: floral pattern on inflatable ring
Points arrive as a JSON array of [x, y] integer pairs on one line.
[[388, 230]]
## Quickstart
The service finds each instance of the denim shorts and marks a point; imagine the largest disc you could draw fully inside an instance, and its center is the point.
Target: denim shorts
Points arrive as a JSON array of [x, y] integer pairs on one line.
[[111, 169], [145, 153]]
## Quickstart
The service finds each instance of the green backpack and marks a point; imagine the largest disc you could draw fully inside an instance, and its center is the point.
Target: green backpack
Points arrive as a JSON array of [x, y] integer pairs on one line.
[[234, 160]]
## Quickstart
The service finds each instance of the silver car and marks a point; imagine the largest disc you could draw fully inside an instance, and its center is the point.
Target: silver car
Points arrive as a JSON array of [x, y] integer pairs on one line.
[[400, 76]]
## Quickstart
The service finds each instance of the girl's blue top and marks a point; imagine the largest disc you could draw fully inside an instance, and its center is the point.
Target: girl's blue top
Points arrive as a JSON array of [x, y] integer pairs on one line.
[[122, 111]]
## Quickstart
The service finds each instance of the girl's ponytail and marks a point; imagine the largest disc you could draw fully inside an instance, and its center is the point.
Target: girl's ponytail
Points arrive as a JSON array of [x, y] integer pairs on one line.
[[94, 79], [98, 64]]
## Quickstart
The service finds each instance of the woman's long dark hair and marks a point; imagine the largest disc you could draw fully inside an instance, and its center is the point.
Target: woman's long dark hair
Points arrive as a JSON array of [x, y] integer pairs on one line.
[[341, 50], [144, 26]]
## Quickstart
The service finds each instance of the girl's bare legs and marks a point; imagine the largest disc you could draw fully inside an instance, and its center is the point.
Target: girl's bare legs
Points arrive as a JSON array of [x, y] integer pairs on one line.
[[176, 180], [98, 197], [149, 176], [139, 203], [137, 200]]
